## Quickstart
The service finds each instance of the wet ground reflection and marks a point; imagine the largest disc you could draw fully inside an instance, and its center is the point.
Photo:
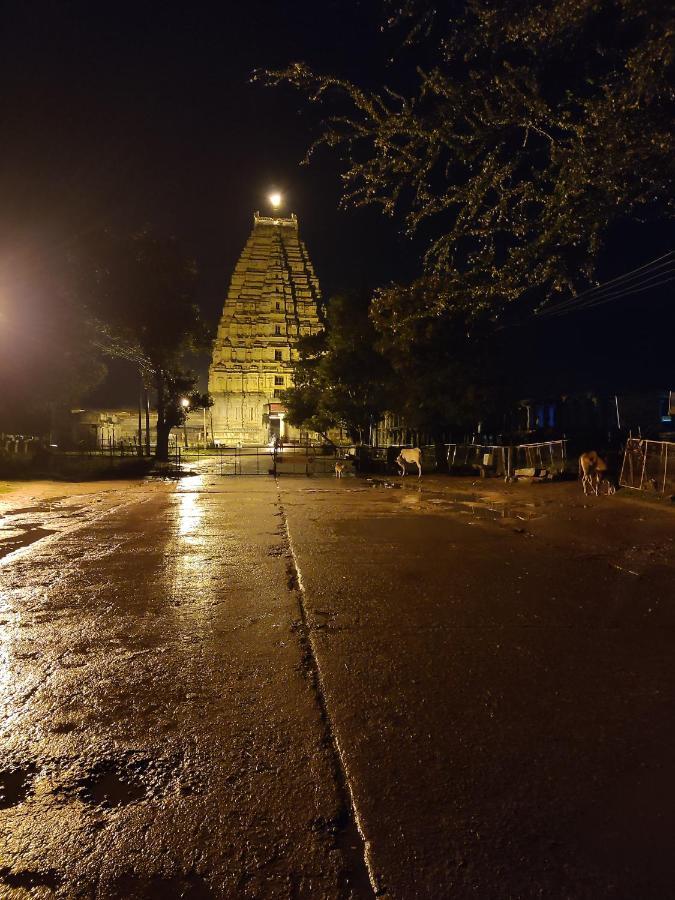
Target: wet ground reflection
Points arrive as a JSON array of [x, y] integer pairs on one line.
[[485, 509], [417, 496], [25, 525], [192, 550], [33, 510], [14, 537], [190, 511]]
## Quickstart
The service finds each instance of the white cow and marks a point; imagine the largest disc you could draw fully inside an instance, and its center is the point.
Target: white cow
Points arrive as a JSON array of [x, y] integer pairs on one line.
[[412, 456], [593, 469]]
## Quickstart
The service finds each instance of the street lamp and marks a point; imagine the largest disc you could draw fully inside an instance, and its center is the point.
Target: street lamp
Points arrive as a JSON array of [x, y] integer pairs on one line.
[[185, 403]]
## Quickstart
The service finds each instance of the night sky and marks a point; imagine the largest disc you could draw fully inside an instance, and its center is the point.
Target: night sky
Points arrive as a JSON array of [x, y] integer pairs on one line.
[[123, 115], [127, 114]]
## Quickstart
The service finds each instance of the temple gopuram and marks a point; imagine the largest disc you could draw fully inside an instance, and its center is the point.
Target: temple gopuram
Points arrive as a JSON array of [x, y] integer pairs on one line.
[[273, 300]]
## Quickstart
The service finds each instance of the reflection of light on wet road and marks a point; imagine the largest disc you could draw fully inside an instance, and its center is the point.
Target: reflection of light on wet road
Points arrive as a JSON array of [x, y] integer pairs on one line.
[[190, 512], [4, 658], [189, 581], [9, 622]]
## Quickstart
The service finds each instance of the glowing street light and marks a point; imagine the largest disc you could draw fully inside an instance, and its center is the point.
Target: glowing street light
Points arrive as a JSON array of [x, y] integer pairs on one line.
[[275, 200], [185, 403]]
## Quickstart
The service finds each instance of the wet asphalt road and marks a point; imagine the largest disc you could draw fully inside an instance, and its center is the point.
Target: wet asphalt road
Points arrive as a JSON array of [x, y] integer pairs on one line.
[[205, 688], [158, 710]]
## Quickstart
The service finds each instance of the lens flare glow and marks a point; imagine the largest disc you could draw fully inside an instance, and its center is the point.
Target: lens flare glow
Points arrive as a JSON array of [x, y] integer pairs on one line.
[[275, 200]]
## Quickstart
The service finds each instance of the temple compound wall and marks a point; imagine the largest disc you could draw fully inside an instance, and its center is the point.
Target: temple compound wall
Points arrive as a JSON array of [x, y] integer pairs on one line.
[[273, 300]]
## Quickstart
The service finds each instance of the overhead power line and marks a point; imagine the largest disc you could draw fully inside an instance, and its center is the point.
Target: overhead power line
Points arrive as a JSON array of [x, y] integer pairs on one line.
[[636, 288], [645, 276], [645, 273], [650, 275]]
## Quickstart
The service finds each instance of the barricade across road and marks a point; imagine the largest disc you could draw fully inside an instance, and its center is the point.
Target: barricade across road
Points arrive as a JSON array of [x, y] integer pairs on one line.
[[648, 465], [319, 459], [289, 459], [505, 459]]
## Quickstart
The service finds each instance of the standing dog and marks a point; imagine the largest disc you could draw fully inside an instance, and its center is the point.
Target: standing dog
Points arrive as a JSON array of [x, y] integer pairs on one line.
[[339, 469]]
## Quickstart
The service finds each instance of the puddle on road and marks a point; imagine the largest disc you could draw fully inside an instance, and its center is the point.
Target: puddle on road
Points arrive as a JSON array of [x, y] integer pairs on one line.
[[480, 510], [383, 483], [44, 506], [484, 508], [110, 787], [63, 727], [112, 783], [474, 506], [29, 879], [15, 786], [134, 886], [481, 507], [332, 491], [14, 538], [16, 532]]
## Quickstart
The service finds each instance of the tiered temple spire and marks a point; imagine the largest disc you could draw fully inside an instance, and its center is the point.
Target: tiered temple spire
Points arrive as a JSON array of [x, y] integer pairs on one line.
[[274, 299]]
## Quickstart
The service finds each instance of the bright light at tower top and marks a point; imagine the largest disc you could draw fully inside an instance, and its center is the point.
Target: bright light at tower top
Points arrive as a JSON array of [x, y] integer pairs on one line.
[[275, 199]]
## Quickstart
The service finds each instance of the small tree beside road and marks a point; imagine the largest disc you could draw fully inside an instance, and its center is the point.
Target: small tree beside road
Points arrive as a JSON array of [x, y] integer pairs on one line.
[[341, 379], [139, 291]]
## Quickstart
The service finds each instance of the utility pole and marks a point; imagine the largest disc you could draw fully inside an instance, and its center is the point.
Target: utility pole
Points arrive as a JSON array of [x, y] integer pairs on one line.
[[147, 422], [140, 414]]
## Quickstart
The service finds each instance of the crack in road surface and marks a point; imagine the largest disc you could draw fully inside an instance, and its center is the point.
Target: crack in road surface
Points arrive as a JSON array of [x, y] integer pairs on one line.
[[275, 781], [349, 834]]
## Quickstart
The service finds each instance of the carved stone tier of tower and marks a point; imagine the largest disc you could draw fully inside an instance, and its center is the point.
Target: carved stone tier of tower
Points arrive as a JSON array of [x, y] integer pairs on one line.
[[273, 300]]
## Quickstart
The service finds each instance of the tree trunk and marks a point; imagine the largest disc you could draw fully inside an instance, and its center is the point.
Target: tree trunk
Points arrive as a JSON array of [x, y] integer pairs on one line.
[[162, 447], [163, 428]]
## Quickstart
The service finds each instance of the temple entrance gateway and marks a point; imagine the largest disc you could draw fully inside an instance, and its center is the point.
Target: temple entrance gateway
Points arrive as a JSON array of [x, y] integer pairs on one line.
[[274, 430], [276, 414]]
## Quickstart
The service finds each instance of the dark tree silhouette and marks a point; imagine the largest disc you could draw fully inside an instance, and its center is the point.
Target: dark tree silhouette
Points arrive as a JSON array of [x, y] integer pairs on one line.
[[139, 290], [340, 377], [531, 130]]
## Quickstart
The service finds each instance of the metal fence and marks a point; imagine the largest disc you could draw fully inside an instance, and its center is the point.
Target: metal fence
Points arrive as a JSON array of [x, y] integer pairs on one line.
[[648, 465], [482, 457], [549, 455], [296, 460], [262, 460], [504, 459], [293, 459]]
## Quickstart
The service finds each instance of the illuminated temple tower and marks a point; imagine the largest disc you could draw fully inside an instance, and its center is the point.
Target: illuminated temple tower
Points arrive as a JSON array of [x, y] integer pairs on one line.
[[273, 300]]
